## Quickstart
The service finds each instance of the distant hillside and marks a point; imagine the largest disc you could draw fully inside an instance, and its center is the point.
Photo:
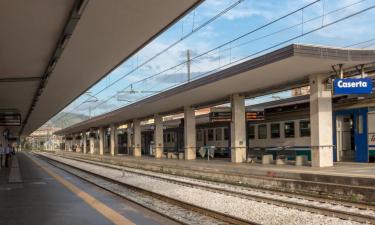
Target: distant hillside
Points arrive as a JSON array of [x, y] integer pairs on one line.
[[67, 119]]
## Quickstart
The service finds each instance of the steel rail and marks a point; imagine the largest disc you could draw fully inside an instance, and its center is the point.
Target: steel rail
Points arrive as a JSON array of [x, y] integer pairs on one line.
[[207, 212], [283, 203]]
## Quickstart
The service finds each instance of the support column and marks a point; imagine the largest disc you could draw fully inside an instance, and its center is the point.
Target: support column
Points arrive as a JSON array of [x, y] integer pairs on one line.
[[66, 144], [92, 143], [321, 122], [84, 139], [137, 138], [77, 144], [189, 133], [129, 142], [114, 149], [70, 143], [158, 135], [238, 129], [101, 141]]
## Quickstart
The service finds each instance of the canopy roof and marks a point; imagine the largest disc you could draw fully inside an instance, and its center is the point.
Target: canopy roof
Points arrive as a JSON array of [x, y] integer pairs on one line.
[[278, 70]]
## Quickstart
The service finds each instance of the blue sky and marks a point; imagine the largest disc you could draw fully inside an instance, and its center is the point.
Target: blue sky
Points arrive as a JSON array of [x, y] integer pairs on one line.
[[242, 18]]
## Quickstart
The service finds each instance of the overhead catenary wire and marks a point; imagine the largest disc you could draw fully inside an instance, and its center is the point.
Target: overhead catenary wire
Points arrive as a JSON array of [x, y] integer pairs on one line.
[[211, 50], [194, 30], [266, 49], [238, 45], [279, 44]]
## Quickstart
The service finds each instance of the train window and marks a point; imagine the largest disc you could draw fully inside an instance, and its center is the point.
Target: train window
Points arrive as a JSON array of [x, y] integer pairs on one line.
[[289, 129], [210, 135], [275, 130], [251, 133], [199, 135], [304, 128], [226, 133], [262, 131], [218, 134]]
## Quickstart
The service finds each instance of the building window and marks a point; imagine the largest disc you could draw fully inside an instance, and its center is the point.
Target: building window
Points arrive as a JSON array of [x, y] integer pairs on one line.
[[304, 128], [218, 134], [262, 131], [226, 133], [289, 129], [168, 137], [251, 134], [275, 130], [164, 138], [210, 135]]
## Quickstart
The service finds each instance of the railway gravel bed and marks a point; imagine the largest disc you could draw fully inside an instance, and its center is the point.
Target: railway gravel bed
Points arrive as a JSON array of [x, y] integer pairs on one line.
[[232, 205]]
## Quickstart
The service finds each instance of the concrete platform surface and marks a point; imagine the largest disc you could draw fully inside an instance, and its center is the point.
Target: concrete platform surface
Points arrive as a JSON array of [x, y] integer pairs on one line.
[[31, 196], [347, 169]]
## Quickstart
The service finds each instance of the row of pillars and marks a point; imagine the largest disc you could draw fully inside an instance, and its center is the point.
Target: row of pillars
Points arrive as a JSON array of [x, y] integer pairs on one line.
[[238, 127], [320, 120]]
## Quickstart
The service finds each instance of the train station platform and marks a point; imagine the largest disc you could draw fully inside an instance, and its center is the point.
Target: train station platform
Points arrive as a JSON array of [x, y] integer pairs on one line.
[[35, 193], [349, 181]]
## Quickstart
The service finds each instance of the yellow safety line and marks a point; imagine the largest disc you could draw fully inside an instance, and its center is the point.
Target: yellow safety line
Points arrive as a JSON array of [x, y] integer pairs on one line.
[[109, 213]]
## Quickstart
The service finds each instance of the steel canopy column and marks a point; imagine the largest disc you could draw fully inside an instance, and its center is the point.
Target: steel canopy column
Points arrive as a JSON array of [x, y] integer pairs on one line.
[[84, 140], [320, 122], [101, 141], [137, 138], [238, 129], [189, 133], [158, 135], [114, 149]]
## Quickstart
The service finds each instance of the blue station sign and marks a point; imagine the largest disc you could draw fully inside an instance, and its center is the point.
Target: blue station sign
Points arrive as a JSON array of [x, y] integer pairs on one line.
[[352, 86]]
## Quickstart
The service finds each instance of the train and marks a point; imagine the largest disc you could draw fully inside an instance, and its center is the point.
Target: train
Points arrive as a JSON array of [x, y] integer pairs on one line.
[[271, 127], [285, 125]]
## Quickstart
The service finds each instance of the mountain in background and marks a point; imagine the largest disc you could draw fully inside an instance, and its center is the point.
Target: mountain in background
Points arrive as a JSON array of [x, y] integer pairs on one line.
[[67, 119]]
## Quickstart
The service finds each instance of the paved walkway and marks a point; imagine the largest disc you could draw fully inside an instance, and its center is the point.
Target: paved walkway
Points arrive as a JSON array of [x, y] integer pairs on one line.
[[39, 194]]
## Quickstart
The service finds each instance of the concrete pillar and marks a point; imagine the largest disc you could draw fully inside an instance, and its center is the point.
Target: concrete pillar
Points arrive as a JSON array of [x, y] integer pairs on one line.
[[158, 135], [320, 122], [189, 133], [72, 142], [129, 142], [66, 143], [137, 138], [114, 149], [238, 129], [77, 143], [84, 139], [92, 143], [101, 141]]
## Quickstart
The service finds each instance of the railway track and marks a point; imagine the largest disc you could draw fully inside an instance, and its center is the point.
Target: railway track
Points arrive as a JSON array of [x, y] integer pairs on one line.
[[179, 211], [332, 208]]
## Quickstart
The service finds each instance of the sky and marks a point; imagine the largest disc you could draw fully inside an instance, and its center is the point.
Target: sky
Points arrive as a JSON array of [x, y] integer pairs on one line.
[[158, 67]]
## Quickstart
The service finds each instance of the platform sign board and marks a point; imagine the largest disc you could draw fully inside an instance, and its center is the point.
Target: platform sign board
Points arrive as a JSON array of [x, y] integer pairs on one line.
[[352, 86], [227, 116]]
